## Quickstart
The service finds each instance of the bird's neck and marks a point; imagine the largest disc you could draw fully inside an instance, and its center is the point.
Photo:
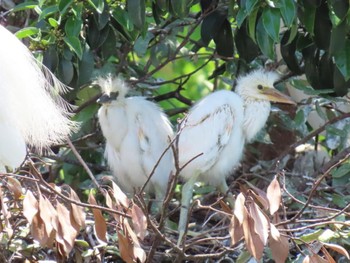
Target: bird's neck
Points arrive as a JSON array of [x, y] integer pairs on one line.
[[256, 113]]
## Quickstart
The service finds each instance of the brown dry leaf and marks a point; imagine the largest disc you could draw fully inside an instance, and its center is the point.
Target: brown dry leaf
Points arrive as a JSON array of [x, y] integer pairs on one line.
[[125, 248], [337, 248], [138, 251], [261, 223], [274, 195], [65, 229], [119, 196], [100, 223], [6, 215], [260, 195], [235, 230], [316, 259], [78, 213], [329, 258], [139, 221], [38, 230], [109, 201], [240, 210], [252, 240], [278, 244], [15, 187], [30, 206], [47, 214]]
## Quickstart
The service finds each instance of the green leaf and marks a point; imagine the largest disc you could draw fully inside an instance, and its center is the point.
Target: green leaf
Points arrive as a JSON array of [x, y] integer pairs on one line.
[[25, 6], [75, 45], [312, 236], [98, 5], [27, 32], [86, 67], [250, 5], [64, 5], [304, 86], [180, 8], [247, 49], [73, 26], [320, 111], [65, 71], [123, 19], [288, 11], [241, 16], [53, 22], [342, 60], [48, 11], [109, 47], [211, 25], [338, 38], [252, 24], [271, 22], [224, 40], [340, 8], [141, 44], [341, 87], [341, 171], [309, 15], [265, 42], [136, 11]]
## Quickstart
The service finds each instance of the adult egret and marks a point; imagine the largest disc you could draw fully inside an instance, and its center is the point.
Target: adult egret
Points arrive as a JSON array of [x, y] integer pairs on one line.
[[217, 127], [32, 113], [137, 133]]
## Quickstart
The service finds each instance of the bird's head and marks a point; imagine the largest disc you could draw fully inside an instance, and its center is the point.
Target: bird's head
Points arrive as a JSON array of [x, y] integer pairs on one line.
[[259, 85], [113, 88]]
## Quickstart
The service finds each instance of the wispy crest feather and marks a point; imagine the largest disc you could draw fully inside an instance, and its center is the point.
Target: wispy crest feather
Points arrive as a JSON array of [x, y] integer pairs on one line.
[[30, 96], [111, 83]]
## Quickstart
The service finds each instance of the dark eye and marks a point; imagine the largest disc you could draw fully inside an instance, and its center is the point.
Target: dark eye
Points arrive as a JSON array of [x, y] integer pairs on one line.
[[260, 87]]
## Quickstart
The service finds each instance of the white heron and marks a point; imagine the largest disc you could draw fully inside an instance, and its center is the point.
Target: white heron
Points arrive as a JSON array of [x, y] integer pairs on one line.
[[32, 113], [218, 127], [137, 133]]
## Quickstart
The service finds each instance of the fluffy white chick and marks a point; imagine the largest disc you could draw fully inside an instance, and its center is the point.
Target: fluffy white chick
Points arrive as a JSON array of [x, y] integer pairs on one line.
[[137, 133], [218, 127]]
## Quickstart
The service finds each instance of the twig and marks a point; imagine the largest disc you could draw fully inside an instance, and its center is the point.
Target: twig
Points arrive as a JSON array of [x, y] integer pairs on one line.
[[309, 136], [85, 166], [341, 157]]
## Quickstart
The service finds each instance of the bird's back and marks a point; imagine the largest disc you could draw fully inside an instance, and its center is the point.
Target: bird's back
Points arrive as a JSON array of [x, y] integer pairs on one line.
[[212, 128]]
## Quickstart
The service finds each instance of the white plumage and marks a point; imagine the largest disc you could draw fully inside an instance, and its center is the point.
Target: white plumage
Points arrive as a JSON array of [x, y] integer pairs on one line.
[[32, 112], [137, 132], [217, 127]]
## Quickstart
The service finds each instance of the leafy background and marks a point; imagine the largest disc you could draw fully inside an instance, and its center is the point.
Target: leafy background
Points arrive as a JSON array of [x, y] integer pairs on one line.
[[176, 52]]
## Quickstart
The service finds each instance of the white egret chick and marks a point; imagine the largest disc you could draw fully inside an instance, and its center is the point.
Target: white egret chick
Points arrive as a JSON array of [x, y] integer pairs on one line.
[[32, 113], [137, 133], [218, 127]]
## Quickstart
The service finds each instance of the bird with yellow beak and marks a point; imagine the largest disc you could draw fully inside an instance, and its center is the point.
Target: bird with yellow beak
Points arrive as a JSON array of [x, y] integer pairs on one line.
[[213, 134]]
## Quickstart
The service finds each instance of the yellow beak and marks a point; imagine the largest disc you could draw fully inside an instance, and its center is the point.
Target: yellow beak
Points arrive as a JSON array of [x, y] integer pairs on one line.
[[274, 95]]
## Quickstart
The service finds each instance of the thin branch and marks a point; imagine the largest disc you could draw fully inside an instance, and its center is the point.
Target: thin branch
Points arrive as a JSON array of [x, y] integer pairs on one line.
[[85, 166], [337, 160], [310, 136]]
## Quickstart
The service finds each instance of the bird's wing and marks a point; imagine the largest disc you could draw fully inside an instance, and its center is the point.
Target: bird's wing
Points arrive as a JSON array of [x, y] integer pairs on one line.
[[208, 128]]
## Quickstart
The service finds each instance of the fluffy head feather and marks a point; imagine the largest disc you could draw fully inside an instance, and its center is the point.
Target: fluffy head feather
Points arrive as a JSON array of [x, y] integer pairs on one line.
[[112, 84], [247, 85]]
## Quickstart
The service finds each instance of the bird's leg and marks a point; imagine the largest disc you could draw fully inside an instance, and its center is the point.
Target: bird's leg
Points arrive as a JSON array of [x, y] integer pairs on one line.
[[223, 188], [187, 193]]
